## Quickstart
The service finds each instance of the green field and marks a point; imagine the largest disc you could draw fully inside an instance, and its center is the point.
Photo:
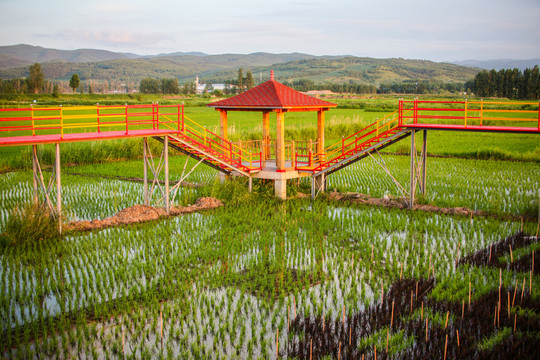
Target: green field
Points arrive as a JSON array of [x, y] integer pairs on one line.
[[228, 283]]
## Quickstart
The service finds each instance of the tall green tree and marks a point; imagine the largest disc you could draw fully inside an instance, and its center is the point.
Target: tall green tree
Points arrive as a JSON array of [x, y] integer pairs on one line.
[[250, 83], [241, 80], [149, 85], [169, 86], [35, 79], [189, 88], [74, 82]]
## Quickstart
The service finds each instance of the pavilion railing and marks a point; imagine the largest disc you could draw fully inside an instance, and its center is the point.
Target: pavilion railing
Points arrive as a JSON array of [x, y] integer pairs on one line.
[[227, 151]]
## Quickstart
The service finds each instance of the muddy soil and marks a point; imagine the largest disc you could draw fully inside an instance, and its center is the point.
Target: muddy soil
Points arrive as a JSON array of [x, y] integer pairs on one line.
[[142, 213], [400, 203]]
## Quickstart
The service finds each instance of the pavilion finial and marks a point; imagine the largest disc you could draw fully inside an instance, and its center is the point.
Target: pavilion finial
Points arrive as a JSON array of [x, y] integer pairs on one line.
[[272, 75]]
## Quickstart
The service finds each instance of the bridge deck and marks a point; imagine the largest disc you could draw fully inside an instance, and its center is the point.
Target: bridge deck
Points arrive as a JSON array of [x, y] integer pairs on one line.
[[483, 128], [77, 137]]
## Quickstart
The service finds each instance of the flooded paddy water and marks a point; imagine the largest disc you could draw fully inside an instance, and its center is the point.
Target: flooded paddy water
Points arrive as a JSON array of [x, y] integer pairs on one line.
[[262, 278]]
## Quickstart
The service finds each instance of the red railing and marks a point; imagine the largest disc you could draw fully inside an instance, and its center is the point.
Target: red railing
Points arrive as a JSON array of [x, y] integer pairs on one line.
[[497, 115], [443, 115], [97, 122], [219, 147], [351, 144], [59, 120]]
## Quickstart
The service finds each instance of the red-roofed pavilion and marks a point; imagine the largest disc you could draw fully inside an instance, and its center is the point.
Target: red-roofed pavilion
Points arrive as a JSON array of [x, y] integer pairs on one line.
[[272, 96]]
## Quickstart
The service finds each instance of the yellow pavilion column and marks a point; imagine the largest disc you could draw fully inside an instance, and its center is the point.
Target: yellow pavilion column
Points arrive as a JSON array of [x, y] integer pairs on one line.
[[266, 135], [280, 182], [320, 135], [223, 133], [280, 141], [319, 181], [223, 124]]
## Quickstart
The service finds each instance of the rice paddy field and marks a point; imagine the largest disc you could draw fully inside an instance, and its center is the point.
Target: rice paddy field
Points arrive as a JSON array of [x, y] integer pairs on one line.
[[261, 278]]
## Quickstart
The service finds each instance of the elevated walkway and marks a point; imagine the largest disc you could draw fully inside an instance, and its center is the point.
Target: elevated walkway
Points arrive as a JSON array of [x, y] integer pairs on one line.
[[168, 124]]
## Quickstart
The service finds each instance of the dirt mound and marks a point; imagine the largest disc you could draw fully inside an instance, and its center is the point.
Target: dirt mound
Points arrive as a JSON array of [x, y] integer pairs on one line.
[[400, 203], [143, 213]]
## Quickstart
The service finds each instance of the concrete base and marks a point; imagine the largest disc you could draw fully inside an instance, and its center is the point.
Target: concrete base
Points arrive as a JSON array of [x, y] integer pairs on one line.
[[280, 187], [269, 172]]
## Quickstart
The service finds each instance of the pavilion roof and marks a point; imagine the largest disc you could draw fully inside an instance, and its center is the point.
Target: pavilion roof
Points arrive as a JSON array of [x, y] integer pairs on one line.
[[272, 95]]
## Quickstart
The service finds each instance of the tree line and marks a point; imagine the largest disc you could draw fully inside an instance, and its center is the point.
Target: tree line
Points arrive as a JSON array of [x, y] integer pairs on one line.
[[508, 83], [421, 87], [351, 87], [35, 83], [150, 85]]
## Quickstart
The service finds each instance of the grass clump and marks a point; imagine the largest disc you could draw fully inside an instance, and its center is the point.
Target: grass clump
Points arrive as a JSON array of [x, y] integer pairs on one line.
[[29, 223]]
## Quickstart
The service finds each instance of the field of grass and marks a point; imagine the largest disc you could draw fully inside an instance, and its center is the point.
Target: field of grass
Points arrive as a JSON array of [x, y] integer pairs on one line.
[[264, 278]]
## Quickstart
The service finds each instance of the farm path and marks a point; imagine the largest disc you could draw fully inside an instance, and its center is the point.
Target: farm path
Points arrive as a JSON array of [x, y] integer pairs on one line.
[[142, 213]]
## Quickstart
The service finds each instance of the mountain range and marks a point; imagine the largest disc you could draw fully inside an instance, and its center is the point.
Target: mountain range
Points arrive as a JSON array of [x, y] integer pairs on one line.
[[103, 65]]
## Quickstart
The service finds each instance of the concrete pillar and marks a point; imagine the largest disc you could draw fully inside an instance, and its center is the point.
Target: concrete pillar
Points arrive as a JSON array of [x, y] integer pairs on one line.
[[280, 187]]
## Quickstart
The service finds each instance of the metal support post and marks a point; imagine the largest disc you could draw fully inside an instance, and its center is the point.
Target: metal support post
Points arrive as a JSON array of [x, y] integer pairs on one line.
[[424, 160], [250, 184], [35, 174], [166, 160], [413, 170], [58, 188], [145, 172]]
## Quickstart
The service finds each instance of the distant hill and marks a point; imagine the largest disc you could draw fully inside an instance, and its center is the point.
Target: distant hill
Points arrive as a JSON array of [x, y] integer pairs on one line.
[[499, 64], [361, 70], [101, 65], [39, 54], [9, 61]]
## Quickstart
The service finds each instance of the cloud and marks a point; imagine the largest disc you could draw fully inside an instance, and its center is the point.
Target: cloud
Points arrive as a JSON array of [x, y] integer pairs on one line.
[[116, 37]]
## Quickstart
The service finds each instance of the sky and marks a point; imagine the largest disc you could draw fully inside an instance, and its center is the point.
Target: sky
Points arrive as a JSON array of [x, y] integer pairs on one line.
[[414, 29]]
